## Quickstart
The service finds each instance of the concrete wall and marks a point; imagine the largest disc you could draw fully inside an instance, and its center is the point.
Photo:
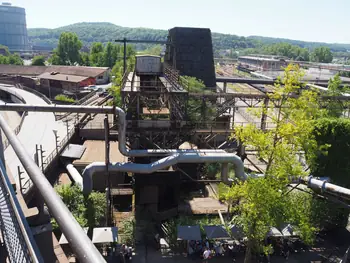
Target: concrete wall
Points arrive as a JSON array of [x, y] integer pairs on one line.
[[103, 78]]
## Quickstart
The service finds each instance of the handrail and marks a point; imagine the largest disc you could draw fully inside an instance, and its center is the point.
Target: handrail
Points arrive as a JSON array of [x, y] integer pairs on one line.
[[81, 245], [18, 237]]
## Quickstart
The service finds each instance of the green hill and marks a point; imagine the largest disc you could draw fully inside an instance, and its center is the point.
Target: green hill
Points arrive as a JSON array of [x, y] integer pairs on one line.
[[104, 32]]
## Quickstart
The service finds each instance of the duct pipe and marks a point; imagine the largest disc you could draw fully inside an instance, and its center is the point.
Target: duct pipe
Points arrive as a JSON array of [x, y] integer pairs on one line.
[[78, 240], [165, 162], [73, 172], [325, 187], [103, 109]]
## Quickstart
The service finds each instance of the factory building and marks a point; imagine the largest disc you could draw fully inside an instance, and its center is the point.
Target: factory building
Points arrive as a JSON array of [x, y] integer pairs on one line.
[[13, 27], [262, 63]]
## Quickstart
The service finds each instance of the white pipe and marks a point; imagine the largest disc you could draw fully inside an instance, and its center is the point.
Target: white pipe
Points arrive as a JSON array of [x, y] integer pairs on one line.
[[325, 187], [73, 172], [163, 163]]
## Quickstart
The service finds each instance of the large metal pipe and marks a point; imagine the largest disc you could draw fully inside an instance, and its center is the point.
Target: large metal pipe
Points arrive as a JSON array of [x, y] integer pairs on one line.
[[165, 162], [73, 172], [325, 187], [78, 240]]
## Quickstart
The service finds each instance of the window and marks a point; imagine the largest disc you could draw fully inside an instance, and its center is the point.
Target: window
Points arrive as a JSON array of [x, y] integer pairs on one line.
[[100, 77]]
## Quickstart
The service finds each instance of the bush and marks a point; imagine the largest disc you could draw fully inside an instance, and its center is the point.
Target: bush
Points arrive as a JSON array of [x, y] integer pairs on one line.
[[64, 98], [88, 211]]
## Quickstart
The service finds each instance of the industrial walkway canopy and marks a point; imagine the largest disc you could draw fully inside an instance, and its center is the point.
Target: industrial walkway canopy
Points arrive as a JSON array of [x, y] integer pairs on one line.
[[216, 232], [188, 233]]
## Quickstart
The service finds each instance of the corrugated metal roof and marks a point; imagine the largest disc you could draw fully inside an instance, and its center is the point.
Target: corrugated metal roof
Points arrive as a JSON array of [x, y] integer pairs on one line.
[[62, 77], [38, 70]]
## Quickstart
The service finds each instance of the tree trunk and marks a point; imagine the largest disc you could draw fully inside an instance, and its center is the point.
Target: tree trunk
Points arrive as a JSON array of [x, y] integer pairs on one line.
[[248, 252]]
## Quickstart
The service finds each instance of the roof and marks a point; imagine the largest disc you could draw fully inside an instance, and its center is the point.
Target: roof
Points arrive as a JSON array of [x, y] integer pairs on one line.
[[105, 235], [38, 70], [188, 233], [62, 77], [63, 239], [216, 232], [260, 58]]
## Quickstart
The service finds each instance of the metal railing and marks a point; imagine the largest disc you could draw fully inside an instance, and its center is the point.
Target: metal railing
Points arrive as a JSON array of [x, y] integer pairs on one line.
[[20, 244]]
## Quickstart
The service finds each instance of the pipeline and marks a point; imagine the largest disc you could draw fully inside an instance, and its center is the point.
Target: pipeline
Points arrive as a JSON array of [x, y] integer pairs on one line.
[[75, 175], [325, 187], [165, 162]]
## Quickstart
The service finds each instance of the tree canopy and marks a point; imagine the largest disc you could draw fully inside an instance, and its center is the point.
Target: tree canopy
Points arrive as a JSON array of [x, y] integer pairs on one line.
[[38, 61], [10, 59], [322, 55], [262, 203], [68, 50]]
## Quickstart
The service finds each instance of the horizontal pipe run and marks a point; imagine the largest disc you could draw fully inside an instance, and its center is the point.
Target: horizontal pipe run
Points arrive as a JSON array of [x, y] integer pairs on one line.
[[78, 240], [325, 187], [164, 163], [56, 108]]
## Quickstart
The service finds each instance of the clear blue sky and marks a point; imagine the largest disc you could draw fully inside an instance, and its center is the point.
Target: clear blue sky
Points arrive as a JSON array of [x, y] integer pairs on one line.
[[310, 20]]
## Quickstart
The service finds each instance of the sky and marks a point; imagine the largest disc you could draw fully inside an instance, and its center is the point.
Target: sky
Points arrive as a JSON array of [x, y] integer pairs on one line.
[[309, 20]]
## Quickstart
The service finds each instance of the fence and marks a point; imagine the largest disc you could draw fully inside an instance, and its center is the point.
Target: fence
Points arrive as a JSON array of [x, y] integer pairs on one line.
[[16, 233]]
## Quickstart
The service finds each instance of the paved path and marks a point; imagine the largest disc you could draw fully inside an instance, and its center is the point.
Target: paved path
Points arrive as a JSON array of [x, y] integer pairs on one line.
[[37, 129]]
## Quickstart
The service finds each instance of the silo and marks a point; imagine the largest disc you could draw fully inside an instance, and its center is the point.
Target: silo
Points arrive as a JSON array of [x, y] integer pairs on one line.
[[13, 27]]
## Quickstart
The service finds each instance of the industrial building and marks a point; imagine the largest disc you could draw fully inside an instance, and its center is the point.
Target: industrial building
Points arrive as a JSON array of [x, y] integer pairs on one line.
[[261, 63], [13, 27]]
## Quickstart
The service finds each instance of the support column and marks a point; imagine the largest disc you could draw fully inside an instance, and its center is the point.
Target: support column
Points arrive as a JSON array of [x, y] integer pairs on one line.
[[264, 114], [225, 87]]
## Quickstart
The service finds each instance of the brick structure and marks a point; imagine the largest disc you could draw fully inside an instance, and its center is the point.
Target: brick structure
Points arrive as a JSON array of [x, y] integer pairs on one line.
[[191, 52]]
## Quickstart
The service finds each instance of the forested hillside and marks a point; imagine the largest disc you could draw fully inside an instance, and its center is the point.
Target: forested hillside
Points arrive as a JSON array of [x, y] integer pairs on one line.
[[105, 32]]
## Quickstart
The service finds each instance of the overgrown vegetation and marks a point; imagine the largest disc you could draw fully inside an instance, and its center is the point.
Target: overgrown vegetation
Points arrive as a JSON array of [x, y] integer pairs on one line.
[[64, 98], [38, 61], [126, 232], [262, 203], [8, 58], [88, 211]]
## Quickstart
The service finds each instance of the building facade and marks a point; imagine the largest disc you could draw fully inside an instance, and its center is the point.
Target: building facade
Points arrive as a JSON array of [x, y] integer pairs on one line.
[[257, 63]]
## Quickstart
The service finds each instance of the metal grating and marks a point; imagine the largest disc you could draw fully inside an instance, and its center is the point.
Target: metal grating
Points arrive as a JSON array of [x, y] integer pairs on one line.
[[15, 231]]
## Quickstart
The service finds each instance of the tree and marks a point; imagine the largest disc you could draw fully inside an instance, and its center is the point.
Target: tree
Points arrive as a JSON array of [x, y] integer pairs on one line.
[[68, 50], [108, 58], [38, 61], [14, 59], [96, 54], [335, 88], [322, 55], [263, 203], [85, 59], [88, 211]]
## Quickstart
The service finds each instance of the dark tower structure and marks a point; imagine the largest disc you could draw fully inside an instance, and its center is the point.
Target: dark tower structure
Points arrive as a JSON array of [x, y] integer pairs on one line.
[[191, 53]]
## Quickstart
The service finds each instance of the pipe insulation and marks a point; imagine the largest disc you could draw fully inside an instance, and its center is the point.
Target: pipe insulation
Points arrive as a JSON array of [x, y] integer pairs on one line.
[[75, 175], [325, 187], [165, 162]]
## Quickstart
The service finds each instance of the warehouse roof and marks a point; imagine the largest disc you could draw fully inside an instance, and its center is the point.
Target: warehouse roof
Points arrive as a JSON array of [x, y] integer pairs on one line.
[[38, 70], [62, 77], [259, 58]]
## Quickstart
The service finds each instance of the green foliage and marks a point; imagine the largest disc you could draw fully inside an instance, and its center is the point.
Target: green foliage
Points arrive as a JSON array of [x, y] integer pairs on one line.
[[64, 98], [322, 55], [14, 59], [5, 49], [85, 59], [126, 233], [88, 211], [153, 50], [68, 50], [331, 161], [38, 61], [262, 203], [104, 32], [335, 108], [96, 54]]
